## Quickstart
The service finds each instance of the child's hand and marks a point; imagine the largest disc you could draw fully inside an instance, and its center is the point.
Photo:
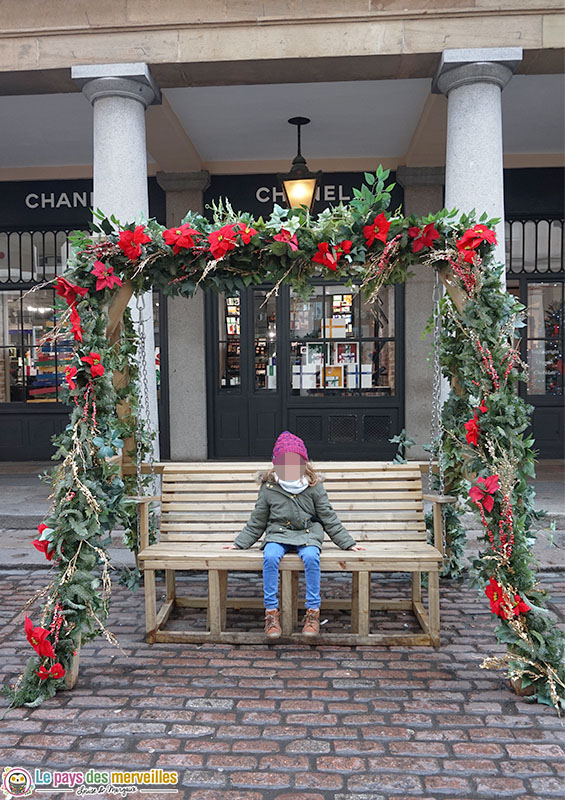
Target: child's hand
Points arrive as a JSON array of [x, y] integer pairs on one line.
[[357, 547], [229, 547]]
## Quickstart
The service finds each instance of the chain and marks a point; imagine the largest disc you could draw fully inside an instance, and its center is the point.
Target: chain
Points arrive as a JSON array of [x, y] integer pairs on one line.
[[144, 408], [437, 426]]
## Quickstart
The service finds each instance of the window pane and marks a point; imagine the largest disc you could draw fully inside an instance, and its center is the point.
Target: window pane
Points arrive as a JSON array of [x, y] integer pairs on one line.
[[377, 319], [12, 388], [38, 315], [229, 331], [545, 367], [265, 340], [306, 316], [306, 365], [10, 319], [545, 310], [377, 370], [340, 317]]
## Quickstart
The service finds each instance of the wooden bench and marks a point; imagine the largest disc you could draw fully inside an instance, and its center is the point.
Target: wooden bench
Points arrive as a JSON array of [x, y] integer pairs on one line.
[[205, 504]]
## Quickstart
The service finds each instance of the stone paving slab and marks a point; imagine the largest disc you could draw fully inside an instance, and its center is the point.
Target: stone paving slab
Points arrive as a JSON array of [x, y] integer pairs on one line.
[[291, 722]]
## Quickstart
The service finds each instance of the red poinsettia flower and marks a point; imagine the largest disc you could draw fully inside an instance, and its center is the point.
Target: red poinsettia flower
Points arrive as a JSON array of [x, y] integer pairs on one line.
[[377, 230], [42, 527], [473, 430], [286, 236], [69, 291], [494, 593], [76, 330], [222, 241], [343, 248], [130, 242], [70, 373], [497, 605], [96, 368], [325, 256], [37, 637], [246, 232], [105, 276], [44, 546], [482, 408], [481, 494], [471, 240], [424, 239], [57, 671], [43, 672], [519, 606], [180, 238]]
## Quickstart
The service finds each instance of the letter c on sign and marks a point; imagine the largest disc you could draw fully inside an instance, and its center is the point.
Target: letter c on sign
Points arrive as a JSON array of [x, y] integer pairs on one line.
[[263, 194], [29, 200]]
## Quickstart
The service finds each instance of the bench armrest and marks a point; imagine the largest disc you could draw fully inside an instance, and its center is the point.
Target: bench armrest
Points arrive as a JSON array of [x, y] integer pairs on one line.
[[143, 503], [438, 501]]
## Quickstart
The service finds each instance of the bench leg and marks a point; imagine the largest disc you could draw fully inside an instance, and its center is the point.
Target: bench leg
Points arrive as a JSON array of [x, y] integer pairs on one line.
[[433, 606], [364, 595], [294, 599], [170, 584], [223, 577], [287, 617], [214, 602], [150, 605], [416, 587], [354, 602]]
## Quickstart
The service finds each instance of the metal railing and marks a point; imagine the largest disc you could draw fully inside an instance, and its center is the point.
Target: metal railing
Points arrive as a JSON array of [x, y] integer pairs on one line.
[[534, 246]]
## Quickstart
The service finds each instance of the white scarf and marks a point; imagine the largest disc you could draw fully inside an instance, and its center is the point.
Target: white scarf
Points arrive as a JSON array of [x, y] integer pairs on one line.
[[294, 487]]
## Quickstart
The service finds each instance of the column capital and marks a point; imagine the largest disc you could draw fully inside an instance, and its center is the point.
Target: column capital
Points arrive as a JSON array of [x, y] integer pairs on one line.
[[475, 65], [183, 181], [133, 81], [420, 176]]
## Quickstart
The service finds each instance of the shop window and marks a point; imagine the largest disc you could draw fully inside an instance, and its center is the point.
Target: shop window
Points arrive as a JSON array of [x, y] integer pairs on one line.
[[545, 338], [229, 340], [265, 341], [341, 345], [32, 366]]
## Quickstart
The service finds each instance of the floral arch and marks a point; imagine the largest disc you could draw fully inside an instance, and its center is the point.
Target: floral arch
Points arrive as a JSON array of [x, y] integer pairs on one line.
[[487, 455]]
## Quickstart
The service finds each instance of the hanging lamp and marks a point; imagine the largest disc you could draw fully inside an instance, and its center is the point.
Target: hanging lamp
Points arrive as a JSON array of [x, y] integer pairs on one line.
[[300, 185]]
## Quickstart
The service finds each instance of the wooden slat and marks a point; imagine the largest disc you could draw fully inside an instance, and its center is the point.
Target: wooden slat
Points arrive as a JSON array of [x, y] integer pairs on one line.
[[352, 525], [181, 493], [227, 537], [256, 637]]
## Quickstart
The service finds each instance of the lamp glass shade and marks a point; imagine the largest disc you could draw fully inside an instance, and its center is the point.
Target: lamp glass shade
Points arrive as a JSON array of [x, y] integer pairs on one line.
[[300, 192]]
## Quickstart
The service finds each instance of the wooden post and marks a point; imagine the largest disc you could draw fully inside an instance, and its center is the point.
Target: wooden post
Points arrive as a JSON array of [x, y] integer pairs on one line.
[[214, 610], [71, 675], [286, 602], [150, 605], [114, 331], [364, 603], [433, 606]]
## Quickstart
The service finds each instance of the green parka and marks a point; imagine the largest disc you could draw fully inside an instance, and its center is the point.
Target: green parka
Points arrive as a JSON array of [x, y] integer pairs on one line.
[[286, 518]]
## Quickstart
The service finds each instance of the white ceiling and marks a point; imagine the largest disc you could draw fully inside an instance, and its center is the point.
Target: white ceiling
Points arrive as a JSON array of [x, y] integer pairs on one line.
[[357, 118], [349, 119]]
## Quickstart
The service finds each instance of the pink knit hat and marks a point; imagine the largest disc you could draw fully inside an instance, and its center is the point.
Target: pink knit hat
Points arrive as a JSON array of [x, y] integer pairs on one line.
[[289, 443]]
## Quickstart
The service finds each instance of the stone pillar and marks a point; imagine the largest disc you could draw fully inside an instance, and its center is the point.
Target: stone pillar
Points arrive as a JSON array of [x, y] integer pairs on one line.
[[423, 194], [187, 358], [472, 80], [119, 94]]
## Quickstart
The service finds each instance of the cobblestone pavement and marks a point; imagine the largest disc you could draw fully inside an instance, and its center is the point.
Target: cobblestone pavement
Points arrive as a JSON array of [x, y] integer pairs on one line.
[[289, 722]]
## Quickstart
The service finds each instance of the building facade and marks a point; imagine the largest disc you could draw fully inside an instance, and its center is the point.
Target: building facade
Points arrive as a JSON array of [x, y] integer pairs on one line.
[[196, 109]]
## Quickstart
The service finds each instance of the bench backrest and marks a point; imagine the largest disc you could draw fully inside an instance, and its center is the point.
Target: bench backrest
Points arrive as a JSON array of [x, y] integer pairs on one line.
[[207, 501]]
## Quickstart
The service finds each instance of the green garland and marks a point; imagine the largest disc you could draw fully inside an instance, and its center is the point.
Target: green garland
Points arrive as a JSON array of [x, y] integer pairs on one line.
[[358, 245]]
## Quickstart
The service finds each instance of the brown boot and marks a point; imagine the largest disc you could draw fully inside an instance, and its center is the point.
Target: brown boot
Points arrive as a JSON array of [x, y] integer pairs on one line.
[[272, 624], [311, 622]]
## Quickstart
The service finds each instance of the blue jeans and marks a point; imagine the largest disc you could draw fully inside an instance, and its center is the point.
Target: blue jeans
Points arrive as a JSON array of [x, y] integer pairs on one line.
[[272, 554]]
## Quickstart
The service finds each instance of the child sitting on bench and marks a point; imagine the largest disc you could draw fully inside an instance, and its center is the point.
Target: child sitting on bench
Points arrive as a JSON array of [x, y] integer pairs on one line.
[[292, 509]]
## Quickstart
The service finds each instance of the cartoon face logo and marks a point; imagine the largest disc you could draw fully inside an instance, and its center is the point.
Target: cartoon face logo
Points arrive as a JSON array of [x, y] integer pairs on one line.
[[16, 782]]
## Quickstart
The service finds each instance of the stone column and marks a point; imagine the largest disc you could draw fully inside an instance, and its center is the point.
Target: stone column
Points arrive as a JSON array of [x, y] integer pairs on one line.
[[472, 80], [187, 358], [119, 94], [423, 194]]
